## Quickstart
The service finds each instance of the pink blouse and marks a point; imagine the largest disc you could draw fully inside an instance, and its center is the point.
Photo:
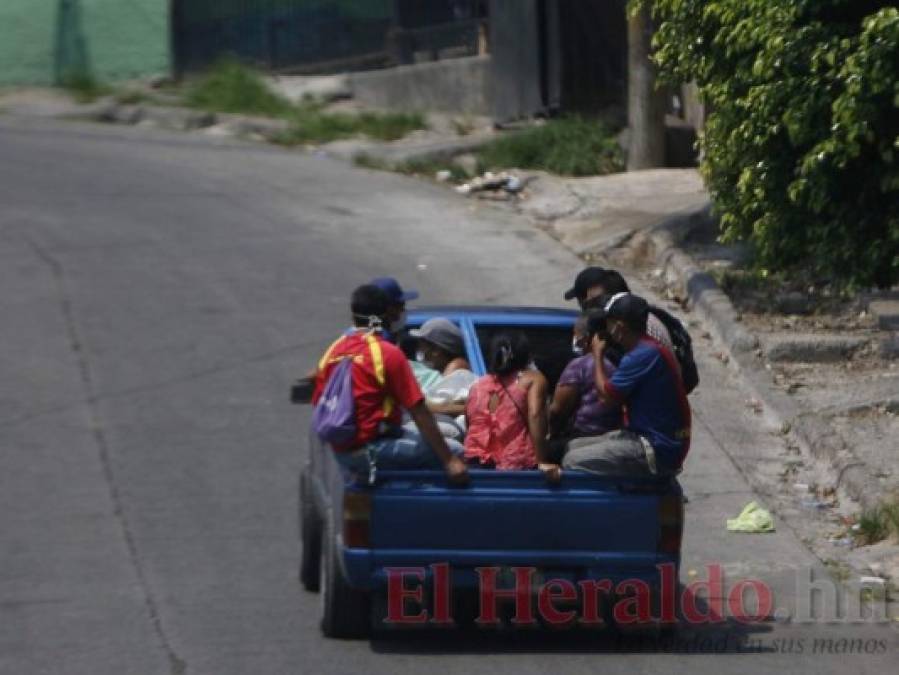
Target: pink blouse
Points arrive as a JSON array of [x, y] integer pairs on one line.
[[501, 435]]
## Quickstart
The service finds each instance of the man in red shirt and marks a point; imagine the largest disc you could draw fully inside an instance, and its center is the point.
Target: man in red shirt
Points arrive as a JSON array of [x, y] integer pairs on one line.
[[384, 386]]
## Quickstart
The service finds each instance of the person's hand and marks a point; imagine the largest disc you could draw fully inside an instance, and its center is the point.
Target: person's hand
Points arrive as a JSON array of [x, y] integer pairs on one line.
[[598, 346], [552, 472], [457, 472]]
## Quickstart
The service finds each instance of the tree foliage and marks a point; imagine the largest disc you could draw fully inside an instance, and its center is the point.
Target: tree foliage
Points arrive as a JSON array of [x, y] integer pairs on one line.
[[801, 147]]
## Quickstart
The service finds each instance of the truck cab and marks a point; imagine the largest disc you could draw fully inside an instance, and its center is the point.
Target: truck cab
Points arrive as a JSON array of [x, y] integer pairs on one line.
[[621, 532]]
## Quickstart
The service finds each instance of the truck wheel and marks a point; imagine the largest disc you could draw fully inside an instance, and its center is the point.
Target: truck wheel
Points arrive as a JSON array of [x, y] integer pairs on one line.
[[311, 539], [345, 613]]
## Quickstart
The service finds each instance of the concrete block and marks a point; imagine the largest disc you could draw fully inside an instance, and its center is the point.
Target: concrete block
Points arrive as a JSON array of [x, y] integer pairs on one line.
[[245, 125], [454, 85], [793, 302], [811, 348], [124, 114], [889, 347], [887, 313], [177, 119], [298, 88]]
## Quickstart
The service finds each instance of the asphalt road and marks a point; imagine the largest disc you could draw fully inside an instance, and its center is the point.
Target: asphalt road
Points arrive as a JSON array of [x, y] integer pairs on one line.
[[158, 293]]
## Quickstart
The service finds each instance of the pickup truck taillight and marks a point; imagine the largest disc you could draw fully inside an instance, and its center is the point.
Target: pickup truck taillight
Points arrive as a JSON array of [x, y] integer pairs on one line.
[[356, 519], [671, 523]]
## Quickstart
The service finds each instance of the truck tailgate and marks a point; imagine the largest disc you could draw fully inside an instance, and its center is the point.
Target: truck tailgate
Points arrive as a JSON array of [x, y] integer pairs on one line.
[[515, 517]]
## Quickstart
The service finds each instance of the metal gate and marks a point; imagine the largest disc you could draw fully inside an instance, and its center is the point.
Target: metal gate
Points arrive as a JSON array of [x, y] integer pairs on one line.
[[322, 35], [557, 55]]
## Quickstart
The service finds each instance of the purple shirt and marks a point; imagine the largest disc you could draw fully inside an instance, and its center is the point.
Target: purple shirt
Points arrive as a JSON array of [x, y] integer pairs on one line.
[[591, 417]]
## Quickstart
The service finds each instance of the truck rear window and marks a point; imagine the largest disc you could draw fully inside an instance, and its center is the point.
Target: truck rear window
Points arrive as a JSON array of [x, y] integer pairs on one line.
[[550, 346]]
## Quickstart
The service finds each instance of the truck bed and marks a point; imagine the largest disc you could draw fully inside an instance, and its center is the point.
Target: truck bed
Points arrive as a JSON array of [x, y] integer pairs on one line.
[[586, 527]]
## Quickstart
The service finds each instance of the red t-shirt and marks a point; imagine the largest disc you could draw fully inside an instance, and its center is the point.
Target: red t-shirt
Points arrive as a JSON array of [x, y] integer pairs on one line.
[[383, 383]]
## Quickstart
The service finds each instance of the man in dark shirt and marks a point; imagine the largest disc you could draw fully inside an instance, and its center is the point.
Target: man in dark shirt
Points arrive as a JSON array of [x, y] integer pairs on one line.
[[647, 382]]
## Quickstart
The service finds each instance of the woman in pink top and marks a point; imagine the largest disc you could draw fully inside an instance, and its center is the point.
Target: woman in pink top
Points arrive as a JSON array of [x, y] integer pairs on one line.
[[506, 411]]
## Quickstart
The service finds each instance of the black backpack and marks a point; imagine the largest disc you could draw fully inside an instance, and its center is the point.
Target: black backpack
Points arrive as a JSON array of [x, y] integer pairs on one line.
[[683, 347]]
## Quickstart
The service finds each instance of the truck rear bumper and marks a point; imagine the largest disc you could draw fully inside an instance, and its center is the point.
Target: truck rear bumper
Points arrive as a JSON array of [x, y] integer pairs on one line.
[[367, 569]]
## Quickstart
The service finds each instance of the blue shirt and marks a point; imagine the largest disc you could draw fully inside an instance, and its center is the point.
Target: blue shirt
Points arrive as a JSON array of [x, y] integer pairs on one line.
[[648, 382]]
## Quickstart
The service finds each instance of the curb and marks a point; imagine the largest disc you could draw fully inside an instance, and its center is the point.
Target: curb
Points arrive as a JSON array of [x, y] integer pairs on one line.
[[179, 118], [396, 155], [811, 431]]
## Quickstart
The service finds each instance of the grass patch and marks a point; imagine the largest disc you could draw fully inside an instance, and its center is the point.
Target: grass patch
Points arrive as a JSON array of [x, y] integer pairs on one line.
[[464, 126], [233, 88], [426, 168], [740, 281], [230, 87], [84, 87], [430, 167], [309, 124], [878, 523], [838, 570], [569, 146]]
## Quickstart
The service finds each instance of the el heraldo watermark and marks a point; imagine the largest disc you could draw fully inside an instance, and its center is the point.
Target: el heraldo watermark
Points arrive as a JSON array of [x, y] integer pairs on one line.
[[526, 597]]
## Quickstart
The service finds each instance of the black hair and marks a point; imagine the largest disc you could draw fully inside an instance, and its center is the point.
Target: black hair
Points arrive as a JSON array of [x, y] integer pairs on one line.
[[368, 301], [637, 323], [509, 352], [408, 345]]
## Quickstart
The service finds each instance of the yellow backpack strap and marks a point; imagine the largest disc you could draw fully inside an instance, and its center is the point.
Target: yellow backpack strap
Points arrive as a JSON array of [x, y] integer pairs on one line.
[[377, 360], [326, 359]]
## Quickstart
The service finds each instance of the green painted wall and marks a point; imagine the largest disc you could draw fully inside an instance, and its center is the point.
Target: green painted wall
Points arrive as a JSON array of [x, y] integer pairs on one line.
[[42, 40]]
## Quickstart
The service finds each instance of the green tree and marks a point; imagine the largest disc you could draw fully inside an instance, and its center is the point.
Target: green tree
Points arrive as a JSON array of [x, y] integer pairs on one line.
[[801, 146]]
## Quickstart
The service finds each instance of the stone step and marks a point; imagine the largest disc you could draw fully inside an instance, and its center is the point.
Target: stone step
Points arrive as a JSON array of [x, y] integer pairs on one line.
[[887, 313], [811, 347]]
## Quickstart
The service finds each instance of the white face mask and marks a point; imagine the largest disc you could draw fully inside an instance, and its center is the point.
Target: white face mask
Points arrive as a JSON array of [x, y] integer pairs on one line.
[[576, 347], [399, 324]]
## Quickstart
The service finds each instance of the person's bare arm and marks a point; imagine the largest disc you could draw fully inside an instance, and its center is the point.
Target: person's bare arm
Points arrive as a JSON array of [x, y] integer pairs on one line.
[[458, 363], [448, 408], [455, 468], [561, 408], [537, 425], [599, 349]]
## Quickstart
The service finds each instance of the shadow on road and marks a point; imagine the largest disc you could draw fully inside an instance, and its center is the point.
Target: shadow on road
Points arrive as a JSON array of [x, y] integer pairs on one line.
[[730, 637]]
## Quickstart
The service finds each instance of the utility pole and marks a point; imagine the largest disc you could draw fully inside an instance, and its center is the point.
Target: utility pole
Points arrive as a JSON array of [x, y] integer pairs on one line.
[[645, 103]]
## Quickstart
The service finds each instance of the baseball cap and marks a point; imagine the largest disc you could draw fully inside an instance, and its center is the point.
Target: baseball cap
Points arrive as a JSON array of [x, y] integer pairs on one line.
[[626, 307], [586, 279], [443, 333], [393, 290]]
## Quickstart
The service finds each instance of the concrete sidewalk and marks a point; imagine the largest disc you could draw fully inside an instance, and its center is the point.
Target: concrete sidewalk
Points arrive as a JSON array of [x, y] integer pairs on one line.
[[595, 214]]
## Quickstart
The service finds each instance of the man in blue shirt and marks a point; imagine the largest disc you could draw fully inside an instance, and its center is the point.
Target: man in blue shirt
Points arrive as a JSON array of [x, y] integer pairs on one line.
[[656, 434]]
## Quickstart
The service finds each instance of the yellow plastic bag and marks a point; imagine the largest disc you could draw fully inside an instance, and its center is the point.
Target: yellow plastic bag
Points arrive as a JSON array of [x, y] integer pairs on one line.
[[752, 519]]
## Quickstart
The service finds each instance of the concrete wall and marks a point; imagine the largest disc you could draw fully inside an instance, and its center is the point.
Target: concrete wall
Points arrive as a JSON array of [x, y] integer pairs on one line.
[[452, 85], [42, 40]]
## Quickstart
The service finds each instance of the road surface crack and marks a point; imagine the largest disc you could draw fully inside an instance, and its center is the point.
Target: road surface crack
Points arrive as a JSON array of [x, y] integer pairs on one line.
[[177, 665]]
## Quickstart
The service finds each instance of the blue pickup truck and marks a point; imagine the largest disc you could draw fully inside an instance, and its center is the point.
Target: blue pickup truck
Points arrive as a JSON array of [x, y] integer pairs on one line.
[[356, 536]]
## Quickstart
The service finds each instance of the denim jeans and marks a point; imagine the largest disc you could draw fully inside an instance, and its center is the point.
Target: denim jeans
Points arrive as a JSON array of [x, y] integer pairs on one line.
[[409, 451]]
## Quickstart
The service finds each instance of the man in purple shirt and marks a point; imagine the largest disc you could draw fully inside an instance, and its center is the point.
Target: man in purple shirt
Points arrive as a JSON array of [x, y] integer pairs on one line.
[[576, 410]]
